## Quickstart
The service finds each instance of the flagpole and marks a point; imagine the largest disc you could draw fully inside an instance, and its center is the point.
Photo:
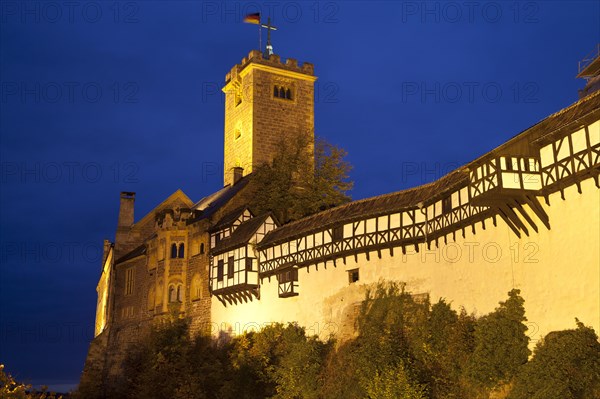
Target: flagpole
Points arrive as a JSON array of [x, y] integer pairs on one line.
[[259, 36]]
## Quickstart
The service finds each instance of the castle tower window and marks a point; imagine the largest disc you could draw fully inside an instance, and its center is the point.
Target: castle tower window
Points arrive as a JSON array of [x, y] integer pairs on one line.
[[275, 91], [173, 251], [353, 276], [288, 94], [220, 265], [281, 92], [202, 248], [181, 251], [230, 267], [172, 294], [179, 294], [238, 98]]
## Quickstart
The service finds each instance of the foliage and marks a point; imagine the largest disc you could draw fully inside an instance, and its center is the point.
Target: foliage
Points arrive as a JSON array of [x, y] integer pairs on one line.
[[565, 365], [10, 389], [500, 343], [283, 360], [292, 186], [405, 348]]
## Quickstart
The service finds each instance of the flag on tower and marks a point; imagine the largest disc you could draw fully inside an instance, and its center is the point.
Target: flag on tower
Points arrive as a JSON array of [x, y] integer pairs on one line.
[[252, 18]]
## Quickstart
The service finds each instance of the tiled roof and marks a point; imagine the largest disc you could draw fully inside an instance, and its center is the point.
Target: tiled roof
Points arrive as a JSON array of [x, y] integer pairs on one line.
[[428, 193]]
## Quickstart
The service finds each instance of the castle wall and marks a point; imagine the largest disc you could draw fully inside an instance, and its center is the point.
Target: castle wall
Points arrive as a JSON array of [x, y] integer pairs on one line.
[[557, 271]]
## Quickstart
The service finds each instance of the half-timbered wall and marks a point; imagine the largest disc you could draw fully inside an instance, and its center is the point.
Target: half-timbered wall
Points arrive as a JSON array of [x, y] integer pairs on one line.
[[453, 248]]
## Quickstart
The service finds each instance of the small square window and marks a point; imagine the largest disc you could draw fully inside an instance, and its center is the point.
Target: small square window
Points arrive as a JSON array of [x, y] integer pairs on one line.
[[353, 276]]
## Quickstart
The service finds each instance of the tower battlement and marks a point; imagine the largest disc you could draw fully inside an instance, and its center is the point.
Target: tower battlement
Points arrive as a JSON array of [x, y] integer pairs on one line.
[[274, 60]]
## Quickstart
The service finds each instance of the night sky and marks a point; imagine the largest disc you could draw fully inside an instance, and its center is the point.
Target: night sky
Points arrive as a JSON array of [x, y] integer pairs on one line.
[[99, 97]]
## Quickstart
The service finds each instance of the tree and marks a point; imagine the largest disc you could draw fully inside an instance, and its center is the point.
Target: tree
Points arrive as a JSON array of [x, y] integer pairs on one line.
[[10, 389], [293, 186], [565, 365], [500, 343]]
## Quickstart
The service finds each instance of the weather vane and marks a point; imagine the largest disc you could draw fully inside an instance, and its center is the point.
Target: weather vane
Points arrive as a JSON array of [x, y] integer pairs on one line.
[[255, 19]]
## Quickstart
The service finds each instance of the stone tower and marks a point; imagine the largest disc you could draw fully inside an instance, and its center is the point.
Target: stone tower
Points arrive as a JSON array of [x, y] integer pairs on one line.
[[266, 101]]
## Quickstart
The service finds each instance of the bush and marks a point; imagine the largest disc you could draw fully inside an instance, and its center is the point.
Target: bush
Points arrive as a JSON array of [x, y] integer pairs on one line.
[[565, 365], [500, 343]]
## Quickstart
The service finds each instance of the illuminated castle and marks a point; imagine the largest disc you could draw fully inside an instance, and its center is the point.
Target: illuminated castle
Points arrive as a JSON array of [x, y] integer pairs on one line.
[[525, 215]]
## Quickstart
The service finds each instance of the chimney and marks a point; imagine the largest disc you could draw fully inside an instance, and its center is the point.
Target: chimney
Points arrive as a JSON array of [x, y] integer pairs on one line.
[[122, 239], [238, 173], [126, 209]]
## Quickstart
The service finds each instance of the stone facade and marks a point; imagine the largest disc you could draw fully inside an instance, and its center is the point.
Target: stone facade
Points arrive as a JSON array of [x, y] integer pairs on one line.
[[266, 101]]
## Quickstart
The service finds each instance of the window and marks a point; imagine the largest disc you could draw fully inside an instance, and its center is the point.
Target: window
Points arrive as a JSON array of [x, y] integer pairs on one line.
[[129, 281], [337, 233], [237, 134], [201, 248], [282, 92], [238, 98], [220, 270], [181, 251], [353, 276], [447, 205], [249, 264], [230, 267], [288, 283], [173, 251]]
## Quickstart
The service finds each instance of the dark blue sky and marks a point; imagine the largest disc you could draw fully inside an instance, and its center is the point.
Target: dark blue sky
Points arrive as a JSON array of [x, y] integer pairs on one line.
[[100, 96]]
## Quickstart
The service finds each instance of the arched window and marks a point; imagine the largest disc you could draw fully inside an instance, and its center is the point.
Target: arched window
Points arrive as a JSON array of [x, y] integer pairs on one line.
[[281, 92], [179, 293], [275, 91], [172, 294], [181, 250], [288, 94], [173, 251], [202, 248]]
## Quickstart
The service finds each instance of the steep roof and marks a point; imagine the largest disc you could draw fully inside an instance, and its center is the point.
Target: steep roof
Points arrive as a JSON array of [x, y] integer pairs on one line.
[[177, 195], [241, 235], [369, 207], [210, 204], [139, 251], [428, 193], [229, 218]]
